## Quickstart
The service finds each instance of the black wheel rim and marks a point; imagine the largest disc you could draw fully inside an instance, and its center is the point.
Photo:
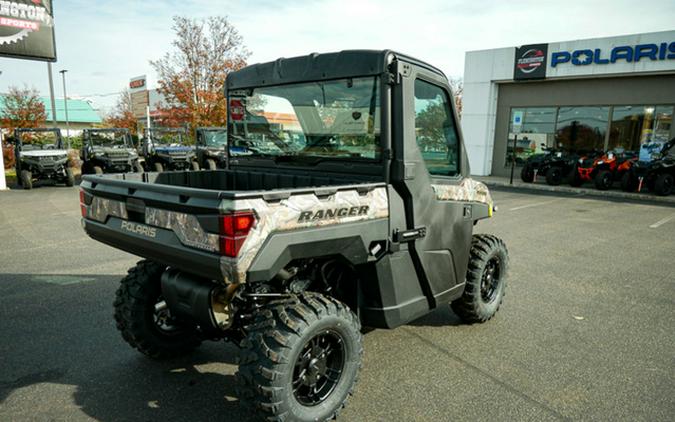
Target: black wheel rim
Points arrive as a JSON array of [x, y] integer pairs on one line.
[[489, 285], [318, 368]]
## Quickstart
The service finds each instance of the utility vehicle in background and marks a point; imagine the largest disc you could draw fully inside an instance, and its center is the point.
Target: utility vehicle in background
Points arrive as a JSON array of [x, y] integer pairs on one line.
[[554, 164], [655, 170], [210, 147], [167, 149], [109, 151], [365, 218], [41, 155]]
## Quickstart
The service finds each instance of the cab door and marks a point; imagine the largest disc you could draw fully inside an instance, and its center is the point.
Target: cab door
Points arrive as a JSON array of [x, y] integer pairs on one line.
[[428, 158]]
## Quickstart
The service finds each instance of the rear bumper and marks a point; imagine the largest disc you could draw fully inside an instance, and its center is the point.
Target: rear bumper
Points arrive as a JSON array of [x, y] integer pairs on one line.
[[164, 247]]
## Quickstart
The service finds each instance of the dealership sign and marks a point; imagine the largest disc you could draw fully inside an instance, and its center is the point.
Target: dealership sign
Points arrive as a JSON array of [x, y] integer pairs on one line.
[[27, 29], [530, 62], [626, 53]]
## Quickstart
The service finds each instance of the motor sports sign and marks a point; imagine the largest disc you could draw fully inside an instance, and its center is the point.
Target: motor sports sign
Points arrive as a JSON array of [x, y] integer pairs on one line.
[[530, 62], [27, 29]]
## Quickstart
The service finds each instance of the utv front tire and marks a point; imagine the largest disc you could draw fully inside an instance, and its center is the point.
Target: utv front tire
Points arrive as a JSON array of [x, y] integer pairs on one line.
[[195, 166], [142, 321], [26, 179], [159, 167], [211, 165], [485, 280], [663, 185], [527, 174], [603, 180], [301, 359]]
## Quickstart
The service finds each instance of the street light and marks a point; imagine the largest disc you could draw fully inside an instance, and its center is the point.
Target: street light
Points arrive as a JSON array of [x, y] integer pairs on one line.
[[65, 105]]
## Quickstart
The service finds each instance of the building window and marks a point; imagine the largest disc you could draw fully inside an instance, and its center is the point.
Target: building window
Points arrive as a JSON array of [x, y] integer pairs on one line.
[[633, 126], [435, 130], [582, 129], [537, 131]]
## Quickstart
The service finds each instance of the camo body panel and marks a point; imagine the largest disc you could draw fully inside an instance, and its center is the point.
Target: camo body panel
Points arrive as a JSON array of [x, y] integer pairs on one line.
[[469, 190], [100, 209], [185, 226], [284, 216]]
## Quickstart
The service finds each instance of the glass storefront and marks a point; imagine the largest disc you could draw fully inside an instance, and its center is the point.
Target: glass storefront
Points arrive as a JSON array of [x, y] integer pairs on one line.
[[584, 129]]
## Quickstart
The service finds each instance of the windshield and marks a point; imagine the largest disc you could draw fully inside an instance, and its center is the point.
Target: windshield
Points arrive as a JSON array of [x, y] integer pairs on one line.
[[108, 139], [215, 138], [333, 119], [39, 140], [167, 138]]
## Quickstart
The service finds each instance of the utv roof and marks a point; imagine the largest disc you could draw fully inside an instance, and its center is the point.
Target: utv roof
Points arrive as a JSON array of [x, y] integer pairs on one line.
[[316, 67], [37, 129], [106, 129]]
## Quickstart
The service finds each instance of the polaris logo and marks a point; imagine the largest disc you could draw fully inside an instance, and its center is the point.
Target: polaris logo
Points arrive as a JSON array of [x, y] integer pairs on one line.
[[138, 229], [306, 216]]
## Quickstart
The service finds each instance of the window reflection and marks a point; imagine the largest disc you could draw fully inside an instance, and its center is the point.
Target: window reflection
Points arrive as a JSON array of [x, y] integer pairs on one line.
[[537, 131], [582, 129]]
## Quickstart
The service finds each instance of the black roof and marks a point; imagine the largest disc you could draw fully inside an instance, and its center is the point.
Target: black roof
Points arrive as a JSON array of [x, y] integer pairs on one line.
[[316, 67]]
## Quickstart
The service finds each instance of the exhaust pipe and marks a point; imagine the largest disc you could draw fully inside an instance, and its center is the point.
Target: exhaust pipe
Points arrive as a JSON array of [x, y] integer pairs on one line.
[[199, 300]]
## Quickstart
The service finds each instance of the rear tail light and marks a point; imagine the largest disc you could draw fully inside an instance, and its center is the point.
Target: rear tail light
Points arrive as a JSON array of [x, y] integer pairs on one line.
[[83, 204], [234, 229]]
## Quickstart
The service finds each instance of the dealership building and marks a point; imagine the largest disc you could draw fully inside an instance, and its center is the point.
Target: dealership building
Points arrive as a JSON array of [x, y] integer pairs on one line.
[[595, 94]]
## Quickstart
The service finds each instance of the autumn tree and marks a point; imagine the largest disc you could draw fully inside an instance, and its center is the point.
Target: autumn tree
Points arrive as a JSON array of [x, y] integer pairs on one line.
[[22, 108], [457, 86], [122, 115], [192, 76]]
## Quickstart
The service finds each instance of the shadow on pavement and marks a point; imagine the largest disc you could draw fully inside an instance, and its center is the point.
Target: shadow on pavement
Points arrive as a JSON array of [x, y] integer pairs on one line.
[[56, 333]]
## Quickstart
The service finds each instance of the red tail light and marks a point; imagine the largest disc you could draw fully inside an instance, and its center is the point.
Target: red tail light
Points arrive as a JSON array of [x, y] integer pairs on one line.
[[234, 229], [83, 204]]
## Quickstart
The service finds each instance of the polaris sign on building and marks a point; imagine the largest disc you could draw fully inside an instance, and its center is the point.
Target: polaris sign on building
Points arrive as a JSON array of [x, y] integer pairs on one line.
[[603, 93]]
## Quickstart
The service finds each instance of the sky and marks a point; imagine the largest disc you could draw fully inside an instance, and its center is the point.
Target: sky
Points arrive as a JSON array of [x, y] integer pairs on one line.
[[103, 44]]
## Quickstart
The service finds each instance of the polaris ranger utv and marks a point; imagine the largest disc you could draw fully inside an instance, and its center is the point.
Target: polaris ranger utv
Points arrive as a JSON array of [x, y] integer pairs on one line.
[[109, 151], [210, 147], [289, 252], [167, 149], [40, 155]]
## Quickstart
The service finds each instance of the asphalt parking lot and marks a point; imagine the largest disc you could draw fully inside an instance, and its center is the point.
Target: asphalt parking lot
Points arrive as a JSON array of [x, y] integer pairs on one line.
[[586, 331]]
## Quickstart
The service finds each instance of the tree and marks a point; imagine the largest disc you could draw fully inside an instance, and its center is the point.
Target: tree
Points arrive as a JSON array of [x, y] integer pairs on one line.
[[122, 115], [22, 108], [457, 85], [192, 77]]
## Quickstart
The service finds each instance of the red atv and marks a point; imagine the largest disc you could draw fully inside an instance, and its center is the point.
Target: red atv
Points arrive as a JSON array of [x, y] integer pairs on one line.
[[602, 169]]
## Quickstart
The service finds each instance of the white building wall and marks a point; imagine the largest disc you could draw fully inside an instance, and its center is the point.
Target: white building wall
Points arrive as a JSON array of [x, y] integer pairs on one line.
[[482, 71]]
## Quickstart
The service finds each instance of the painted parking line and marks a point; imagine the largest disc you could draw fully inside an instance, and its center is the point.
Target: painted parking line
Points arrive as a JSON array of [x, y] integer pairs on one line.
[[536, 204], [662, 222]]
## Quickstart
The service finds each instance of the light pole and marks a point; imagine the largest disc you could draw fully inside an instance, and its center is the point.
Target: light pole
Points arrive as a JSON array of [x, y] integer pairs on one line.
[[65, 105]]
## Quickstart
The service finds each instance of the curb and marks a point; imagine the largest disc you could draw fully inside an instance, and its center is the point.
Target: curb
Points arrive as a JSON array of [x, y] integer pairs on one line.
[[594, 193]]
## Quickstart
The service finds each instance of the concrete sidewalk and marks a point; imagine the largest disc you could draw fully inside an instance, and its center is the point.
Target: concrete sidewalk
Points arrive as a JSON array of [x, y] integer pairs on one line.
[[588, 189]]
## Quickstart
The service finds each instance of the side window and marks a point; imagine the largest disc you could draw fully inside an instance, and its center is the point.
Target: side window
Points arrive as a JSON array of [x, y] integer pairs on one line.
[[435, 130]]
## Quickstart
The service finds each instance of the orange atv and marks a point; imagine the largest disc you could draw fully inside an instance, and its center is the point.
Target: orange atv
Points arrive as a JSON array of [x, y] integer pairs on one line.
[[602, 169]]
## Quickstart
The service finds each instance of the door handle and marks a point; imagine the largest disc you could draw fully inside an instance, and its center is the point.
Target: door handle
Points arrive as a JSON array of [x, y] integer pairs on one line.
[[409, 235]]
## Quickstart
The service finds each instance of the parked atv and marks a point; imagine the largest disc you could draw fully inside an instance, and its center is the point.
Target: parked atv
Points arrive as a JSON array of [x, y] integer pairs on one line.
[[109, 151], [290, 251], [210, 147], [602, 168], [167, 149], [554, 164], [40, 155], [655, 171]]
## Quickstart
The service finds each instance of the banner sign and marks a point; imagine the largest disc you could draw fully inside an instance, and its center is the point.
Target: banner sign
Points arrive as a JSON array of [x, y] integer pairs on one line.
[[27, 30], [530, 62]]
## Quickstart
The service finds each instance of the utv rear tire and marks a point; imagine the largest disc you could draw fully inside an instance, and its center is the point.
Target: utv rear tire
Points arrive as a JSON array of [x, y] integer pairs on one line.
[[26, 179], [293, 344], [141, 325], [485, 280], [554, 176], [98, 170], [663, 185], [70, 177], [603, 180], [195, 166], [527, 174], [159, 167], [211, 165]]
